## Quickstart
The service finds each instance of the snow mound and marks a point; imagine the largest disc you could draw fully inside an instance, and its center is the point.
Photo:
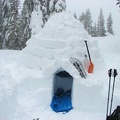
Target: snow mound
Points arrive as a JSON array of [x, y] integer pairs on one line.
[[63, 26], [62, 37], [45, 54]]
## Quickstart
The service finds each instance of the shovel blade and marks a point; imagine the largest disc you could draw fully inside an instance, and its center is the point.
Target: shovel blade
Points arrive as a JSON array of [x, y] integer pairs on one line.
[[91, 68]]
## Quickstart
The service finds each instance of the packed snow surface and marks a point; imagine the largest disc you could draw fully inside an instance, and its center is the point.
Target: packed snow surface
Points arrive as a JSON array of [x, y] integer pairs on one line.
[[26, 77]]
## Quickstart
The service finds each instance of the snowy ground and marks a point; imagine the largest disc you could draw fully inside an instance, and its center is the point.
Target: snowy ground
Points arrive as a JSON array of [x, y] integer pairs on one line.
[[26, 76], [28, 100]]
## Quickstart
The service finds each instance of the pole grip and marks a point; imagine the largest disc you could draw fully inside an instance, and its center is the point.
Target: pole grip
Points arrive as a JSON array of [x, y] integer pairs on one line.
[[110, 72], [115, 72]]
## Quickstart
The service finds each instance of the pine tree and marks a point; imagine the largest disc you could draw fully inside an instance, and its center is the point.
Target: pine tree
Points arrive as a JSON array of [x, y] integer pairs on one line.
[[82, 18], [94, 31], [12, 34], [5, 19], [88, 21], [85, 18], [36, 22], [109, 24], [44, 7], [59, 5], [101, 28], [1, 24], [27, 10], [50, 7]]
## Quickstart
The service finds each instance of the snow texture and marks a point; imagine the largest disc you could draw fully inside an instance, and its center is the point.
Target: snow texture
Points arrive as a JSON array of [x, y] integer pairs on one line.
[[26, 77]]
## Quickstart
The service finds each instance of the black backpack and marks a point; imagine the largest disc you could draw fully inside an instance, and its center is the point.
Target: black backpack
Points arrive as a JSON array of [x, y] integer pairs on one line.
[[115, 115]]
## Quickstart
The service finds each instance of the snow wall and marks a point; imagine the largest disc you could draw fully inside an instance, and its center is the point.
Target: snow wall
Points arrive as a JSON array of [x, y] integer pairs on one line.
[[8, 87], [62, 37]]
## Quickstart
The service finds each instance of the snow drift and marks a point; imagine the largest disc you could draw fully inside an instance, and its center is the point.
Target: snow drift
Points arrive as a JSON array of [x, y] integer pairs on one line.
[[32, 71]]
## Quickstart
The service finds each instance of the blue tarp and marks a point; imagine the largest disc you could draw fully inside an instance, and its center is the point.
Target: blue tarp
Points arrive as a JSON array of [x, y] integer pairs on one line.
[[61, 103]]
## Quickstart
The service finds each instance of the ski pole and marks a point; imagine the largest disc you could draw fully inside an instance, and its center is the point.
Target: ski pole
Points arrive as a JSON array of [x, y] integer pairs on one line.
[[114, 75], [109, 74]]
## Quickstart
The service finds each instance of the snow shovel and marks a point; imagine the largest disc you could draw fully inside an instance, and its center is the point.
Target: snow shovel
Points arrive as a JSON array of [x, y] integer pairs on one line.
[[91, 66]]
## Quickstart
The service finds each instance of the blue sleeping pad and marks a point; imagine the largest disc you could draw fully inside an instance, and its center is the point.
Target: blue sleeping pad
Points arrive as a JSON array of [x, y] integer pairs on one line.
[[61, 103]]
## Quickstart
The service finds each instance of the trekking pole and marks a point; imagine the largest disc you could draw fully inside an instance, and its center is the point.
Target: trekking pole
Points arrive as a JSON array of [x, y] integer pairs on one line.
[[109, 74], [114, 75]]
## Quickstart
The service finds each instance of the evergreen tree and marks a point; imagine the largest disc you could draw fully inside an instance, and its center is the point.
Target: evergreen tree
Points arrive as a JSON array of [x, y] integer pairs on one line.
[[101, 29], [94, 31], [12, 34], [82, 18], [85, 18], [109, 24], [50, 7], [16, 30], [59, 5], [88, 21], [27, 10], [5, 19], [1, 24], [44, 7], [36, 22]]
